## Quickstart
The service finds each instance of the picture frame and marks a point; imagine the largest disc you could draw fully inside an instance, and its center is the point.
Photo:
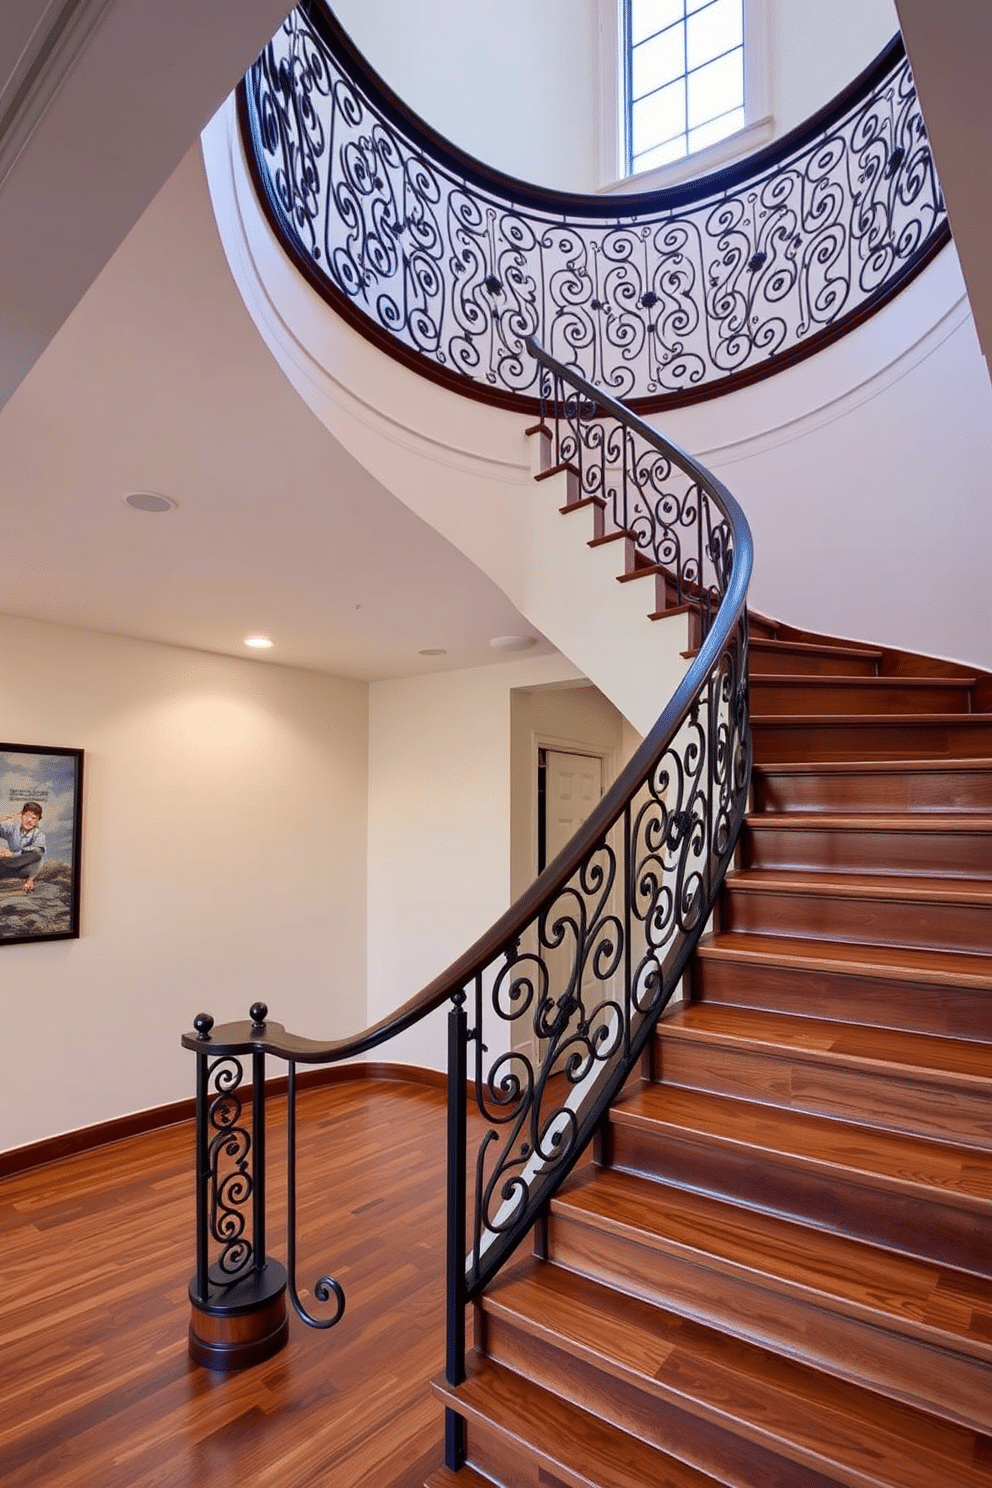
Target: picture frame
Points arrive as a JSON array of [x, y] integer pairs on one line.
[[41, 815]]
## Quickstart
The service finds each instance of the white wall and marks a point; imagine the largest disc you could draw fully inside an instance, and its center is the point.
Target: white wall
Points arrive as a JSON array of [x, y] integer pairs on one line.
[[224, 860], [817, 47], [861, 472], [516, 84], [507, 80], [439, 829]]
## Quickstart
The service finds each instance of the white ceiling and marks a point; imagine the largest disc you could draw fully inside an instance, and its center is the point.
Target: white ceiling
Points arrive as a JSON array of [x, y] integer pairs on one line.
[[158, 381]]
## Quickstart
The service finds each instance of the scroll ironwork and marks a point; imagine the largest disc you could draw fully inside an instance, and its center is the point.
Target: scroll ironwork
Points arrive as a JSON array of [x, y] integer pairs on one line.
[[658, 298]]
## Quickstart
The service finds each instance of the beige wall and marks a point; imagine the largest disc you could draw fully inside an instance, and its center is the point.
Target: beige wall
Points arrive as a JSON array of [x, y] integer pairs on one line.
[[525, 109], [439, 827], [557, 717], [224, 841]]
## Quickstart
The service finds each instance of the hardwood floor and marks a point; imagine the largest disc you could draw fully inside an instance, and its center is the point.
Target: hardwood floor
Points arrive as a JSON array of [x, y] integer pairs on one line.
[[96, 1252]]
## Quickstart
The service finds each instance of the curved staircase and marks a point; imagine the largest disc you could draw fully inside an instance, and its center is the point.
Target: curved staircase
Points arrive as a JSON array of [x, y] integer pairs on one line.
[[777, 1271]]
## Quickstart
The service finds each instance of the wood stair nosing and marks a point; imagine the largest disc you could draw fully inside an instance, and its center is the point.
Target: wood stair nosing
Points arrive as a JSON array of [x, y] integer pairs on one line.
[[658, 1418], [941, 787], [773, 657], [905, 1082], [958, 845], [465, 1477], [826, 738], [926, 1198], [540, 1319], [594, 504], [881, 1051], [905, 1328], [833, 696], [919, 991], [519, 1434], [867, 909]]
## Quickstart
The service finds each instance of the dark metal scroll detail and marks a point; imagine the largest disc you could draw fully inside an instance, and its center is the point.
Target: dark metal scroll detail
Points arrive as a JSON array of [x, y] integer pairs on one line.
[[653, 298], [325, 1287], [588, 979], [561, 1013], [231, 1184]]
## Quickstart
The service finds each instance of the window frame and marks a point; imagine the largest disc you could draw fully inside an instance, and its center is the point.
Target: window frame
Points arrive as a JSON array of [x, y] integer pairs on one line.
[[614, 119]]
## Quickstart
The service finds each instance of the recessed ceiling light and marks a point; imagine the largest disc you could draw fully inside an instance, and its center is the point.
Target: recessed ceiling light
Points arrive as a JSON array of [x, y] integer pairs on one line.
[[258, 643], [149, 501], [432, 651], [513, 643]]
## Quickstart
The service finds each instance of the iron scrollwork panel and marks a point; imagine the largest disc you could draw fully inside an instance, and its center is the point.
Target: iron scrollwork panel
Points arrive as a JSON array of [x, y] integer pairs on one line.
[[231, 1183], [657, 300], [600, 961]]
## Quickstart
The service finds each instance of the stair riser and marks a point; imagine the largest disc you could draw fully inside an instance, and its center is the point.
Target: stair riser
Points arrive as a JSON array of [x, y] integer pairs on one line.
[[925, 1104], [957, 854], [873, 791], [646, 1414], [872, 696], [917, 1222], [917, 1007], [788, 742], [769, 661], [891, 922], [902, 1368], [498, 1457]]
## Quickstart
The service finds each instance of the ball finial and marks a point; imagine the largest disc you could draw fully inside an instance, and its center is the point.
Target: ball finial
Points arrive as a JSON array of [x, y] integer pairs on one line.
[[203, 1024], [258, 1013]]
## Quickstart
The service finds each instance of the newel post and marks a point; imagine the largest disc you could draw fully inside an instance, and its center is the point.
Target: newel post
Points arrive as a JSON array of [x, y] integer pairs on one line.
[[238, 1314]]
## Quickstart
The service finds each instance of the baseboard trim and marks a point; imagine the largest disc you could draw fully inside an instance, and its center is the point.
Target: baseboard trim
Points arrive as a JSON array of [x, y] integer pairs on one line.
[[87, 1138]]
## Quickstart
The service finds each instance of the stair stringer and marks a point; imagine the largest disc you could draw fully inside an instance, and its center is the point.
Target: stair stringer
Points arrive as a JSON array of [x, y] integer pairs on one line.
[[462, 466]]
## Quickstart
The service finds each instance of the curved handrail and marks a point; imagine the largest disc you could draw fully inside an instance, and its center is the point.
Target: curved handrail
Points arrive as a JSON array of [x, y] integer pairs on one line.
[[663, 297], [587, 958]]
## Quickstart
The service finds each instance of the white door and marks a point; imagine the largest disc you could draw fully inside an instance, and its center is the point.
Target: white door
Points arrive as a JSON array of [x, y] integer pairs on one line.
[[573, 785], [569, 786]]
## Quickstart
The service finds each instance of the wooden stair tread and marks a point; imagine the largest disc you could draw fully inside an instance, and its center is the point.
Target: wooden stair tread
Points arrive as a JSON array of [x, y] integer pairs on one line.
[[815, 648], [862, 885], [812, 722], [901, 1294], [942, 763], [965, 1061], [914, 1164], [560, 1435], [901, 963], [465, 1477], [814, 1418], [883, 684], [887, 821]]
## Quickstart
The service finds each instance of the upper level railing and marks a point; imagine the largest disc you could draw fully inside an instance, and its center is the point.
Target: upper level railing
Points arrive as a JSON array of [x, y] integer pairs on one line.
[[660, 298], [551, 1008]]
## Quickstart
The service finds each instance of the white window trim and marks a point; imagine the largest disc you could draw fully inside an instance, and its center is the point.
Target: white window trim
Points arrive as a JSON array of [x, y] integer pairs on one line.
[[758, 129]]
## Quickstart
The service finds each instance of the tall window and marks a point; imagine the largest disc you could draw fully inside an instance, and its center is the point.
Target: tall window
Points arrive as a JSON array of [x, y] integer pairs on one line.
[[685, 77]]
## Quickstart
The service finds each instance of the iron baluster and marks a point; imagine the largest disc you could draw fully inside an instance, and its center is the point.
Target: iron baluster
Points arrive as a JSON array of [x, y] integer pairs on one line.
[[325, 1287], [454, 1434]]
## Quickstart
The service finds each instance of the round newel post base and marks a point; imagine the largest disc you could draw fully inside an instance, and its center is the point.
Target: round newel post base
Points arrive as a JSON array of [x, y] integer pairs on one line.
[[242, 1323]]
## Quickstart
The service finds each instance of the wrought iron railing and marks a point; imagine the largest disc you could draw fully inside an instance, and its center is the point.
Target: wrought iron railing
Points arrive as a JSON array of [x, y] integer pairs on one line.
[[550, 1010], [660, 298]]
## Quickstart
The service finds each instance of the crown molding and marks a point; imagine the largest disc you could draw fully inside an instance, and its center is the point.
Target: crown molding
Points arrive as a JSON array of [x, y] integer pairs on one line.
[[58, 38]]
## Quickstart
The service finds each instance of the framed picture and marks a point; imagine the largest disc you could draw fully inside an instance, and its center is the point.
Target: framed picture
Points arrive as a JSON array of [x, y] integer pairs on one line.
[[41, 808]]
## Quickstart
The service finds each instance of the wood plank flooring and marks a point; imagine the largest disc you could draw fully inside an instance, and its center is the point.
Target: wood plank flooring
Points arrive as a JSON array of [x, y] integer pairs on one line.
[[96, 1252]]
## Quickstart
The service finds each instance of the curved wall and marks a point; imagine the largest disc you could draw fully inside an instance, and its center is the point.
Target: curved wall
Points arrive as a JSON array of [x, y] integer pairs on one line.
[[866, 515]]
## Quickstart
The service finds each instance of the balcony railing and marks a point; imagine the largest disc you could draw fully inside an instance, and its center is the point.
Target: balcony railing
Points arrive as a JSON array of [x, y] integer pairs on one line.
[[659, 298]]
